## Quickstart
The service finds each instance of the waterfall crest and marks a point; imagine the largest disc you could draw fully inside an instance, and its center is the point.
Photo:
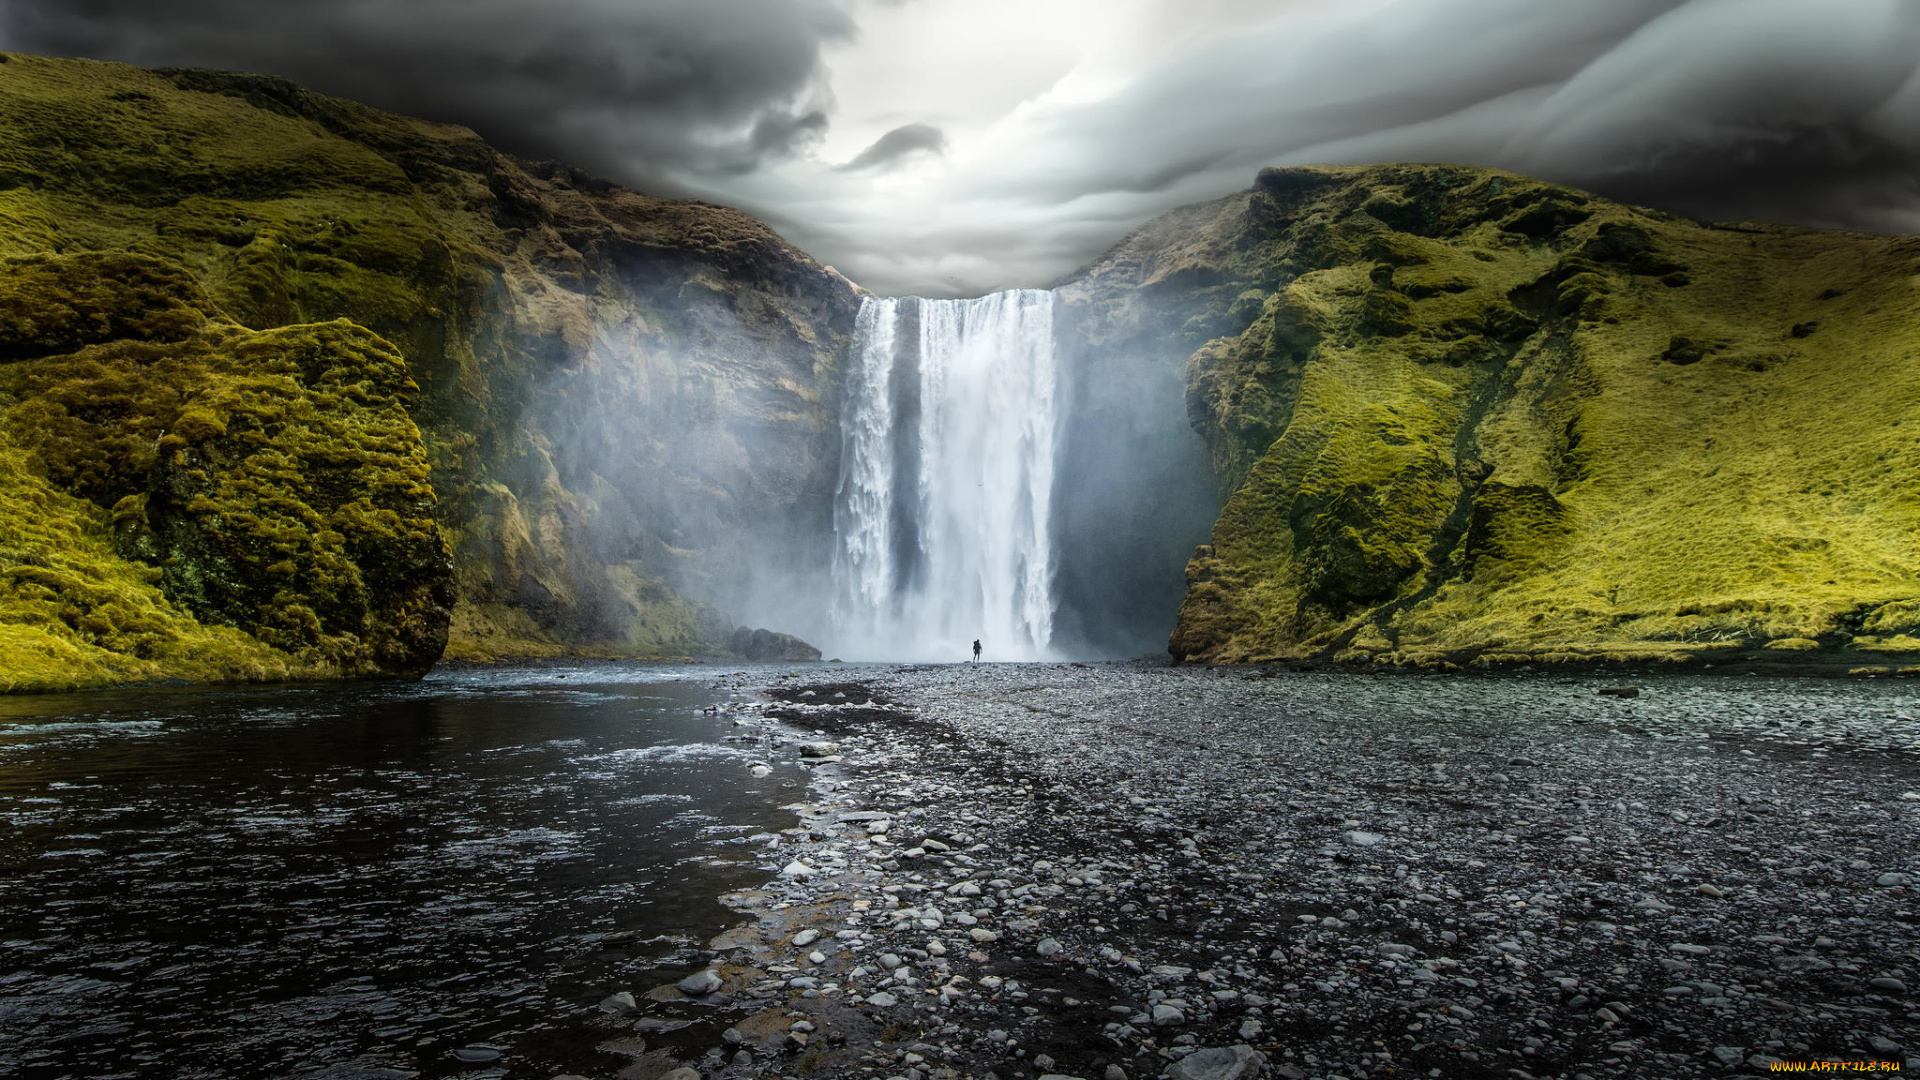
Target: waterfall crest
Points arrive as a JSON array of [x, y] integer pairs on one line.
[[943, 511]]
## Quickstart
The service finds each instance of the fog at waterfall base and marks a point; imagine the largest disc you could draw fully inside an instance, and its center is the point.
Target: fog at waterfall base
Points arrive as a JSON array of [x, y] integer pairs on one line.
[[976, 476], [943, 517], [1004, 478]]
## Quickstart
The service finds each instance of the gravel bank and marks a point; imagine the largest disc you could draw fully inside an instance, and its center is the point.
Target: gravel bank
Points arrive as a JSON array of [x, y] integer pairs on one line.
[[1112, 870]]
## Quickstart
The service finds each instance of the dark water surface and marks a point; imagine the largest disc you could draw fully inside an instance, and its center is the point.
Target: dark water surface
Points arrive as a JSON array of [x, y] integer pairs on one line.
[[320, 880]]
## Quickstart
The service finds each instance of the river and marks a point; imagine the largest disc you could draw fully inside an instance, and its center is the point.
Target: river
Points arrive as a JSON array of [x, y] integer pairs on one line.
[[339, 880]]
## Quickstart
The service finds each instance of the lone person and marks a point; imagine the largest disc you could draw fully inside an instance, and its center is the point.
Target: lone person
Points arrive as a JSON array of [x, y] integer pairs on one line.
[[976, 650]]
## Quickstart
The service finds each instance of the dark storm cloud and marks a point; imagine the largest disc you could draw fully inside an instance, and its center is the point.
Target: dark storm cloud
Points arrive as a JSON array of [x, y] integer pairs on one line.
[[642, 89], [1780, 109], [888, 149], [1748, 108], [1791, 110]]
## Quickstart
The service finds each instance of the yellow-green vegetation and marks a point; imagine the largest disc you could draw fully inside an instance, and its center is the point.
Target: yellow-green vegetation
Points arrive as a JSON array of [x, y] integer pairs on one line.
[[74, 613], [1477, 417], [228, 301], [213, 502]]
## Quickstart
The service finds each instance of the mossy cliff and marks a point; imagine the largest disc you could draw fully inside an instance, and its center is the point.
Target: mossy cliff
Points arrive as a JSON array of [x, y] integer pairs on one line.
[[187, 497], [1459, 415], [267, 357]]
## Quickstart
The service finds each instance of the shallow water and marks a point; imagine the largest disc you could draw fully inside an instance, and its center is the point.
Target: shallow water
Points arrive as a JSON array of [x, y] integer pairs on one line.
[[321, 880]]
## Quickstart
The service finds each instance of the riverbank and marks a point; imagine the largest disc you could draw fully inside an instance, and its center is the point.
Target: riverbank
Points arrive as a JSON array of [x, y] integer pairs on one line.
[[1022, 870]]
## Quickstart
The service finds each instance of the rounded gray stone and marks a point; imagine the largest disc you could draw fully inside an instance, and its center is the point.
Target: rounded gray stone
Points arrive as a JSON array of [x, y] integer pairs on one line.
[[1241, 1062]]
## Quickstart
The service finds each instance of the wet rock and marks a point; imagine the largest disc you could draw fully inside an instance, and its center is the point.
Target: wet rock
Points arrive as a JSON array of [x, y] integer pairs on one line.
[[477, 1054], [1224, 1063], [620, 1004], [767, 646], [1470, 909], [700, 983]]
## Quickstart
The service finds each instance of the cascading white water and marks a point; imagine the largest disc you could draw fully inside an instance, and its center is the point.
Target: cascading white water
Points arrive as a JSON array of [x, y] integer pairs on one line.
[[946, 480], [864, 565]]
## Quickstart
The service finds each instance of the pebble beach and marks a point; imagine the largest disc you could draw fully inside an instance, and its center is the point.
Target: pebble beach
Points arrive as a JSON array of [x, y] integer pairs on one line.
[[1127, 871]]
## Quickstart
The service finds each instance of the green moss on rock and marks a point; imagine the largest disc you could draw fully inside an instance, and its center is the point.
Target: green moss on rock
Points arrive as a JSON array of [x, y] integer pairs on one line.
[[267, 481], [73, 612], [188, 245], [1484, 416]]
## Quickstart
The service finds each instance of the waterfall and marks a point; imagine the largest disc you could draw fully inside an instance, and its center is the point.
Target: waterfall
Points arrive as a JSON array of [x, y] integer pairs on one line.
[[946, 480]]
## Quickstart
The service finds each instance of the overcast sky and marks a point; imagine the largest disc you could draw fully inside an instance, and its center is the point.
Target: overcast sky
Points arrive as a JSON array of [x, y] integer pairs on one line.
[[952, 147]]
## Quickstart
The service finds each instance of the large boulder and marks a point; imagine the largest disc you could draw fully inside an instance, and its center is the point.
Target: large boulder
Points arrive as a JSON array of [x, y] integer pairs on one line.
[[767, 646]]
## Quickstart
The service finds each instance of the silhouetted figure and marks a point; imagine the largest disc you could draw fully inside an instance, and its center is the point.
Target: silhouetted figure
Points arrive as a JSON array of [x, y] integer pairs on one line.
[[976, 650]]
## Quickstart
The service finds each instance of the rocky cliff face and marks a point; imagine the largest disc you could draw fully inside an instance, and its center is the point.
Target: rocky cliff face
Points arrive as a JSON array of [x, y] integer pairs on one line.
[[238, 322], [1133, 496], [1456, 414]]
